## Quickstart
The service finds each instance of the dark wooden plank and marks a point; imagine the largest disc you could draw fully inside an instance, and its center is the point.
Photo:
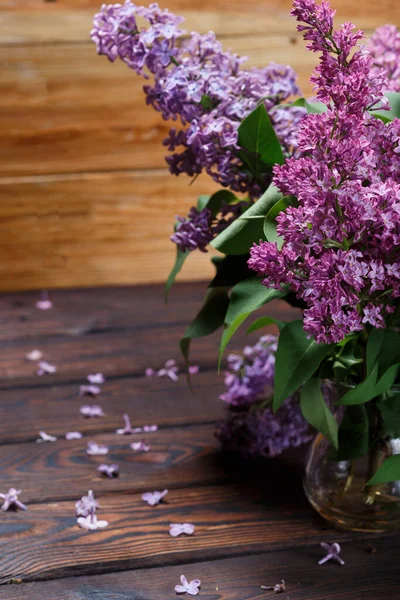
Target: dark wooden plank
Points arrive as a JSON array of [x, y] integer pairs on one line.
[[115, 353], [24, 412], [45, 542], [365, 576]]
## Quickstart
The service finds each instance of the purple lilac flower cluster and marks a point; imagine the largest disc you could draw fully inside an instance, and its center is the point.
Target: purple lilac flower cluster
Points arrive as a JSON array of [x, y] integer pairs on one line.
[[384, 47], [251, 426], [199, 85], [340, 250]]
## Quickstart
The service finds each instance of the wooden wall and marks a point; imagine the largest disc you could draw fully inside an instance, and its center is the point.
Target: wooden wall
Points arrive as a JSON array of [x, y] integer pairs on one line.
[[85, 197]]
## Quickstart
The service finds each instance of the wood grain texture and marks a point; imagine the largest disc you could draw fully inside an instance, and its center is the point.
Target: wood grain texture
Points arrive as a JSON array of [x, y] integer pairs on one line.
[[46, 542], [366, 576], [30, 21]]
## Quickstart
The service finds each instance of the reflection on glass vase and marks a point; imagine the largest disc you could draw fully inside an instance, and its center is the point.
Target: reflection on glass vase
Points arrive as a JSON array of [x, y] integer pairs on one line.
[[337, 488]]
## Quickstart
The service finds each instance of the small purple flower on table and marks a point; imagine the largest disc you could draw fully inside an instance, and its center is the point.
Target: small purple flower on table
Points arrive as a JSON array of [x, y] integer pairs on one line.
[[96, 378], [34, 355], [278, 588], [127, 428], [150, 372], [45, 368], [140, 446], [170, 370], [73, 435], [91, 522], [153, 498], [109, 470], [89, 390], [45, 437], [86, 505], [194, 369], [11, 500], [333, 551], [187, 587], [91, 411], [95, 449], [44, 303], [149, 428], [176, 529]]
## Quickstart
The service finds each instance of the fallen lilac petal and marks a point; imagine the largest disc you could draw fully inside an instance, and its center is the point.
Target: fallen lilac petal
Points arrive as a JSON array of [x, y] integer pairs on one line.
[[194, 369], [45, 368], [73, 435], [11, 499], [91, 411], [127, 428], [140, 446], [86, 505], [176, 529], [34, 355], [333, 551], [109, 470], [153, 498], [170, 370], [278, 588], [186, 587], [95, 449], [91, 523], [96, 378], [149, 428], [89, 390], [150, 372], [45, 437]]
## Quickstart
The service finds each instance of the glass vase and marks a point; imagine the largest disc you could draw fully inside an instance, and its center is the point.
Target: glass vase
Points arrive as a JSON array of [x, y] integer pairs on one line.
[[337, 489]]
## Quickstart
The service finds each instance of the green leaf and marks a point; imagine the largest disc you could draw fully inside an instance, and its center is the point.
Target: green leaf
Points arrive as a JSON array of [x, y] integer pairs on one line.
[[297, 359], [383, 349], [316, 412], [263, 322], [312, 107], [389, 408], [180, 259], [230, 270], [389, 115], [258, 139], [353, 433], [247, 296], [208, 320], [270, 222], [215, 201], [241, 234], [389, 471], [370, 387]]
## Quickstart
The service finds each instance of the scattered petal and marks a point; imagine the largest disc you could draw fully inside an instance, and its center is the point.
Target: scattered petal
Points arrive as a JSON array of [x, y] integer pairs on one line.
[[11, 500], [150, 372], [150, 428], [95, 449], [140, 446], [333, 551], [34, 355], [176, 529], [86, 505], [191, 588], [91, 523], [127, 428], [45, 368], [89, 390], [170, 370], [153, 498], [109, 470], [278, 588], [45, 437], [194, 369], [96, 378], [73, 435], [91, 411]]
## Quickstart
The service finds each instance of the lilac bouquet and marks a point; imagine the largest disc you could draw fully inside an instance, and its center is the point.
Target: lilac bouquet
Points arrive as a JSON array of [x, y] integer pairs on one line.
[[309, 213]]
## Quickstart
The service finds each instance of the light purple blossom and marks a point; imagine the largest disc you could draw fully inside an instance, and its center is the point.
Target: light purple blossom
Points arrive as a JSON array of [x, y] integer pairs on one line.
[[149, 428], [45, 368], [86, 505], [278, 588], [11, 500], [91, 411], [384, 47], [89, 390], [91, 523], [170, 370], [176, 529], [34, 355], [140, 446], [333, 551], [193, 232], [186, 587], [96, 379], [109, 470], [45, 437], [150, 372], [194, 369], [153, 498], [127, 429], [44, 303], [95, 449], [73, 435]]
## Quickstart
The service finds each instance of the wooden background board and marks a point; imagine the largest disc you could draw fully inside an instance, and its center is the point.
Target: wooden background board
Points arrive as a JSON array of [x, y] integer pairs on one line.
[[85, 196]]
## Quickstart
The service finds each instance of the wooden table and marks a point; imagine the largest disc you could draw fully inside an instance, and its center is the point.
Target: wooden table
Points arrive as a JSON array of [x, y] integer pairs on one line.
[[253, 524]]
